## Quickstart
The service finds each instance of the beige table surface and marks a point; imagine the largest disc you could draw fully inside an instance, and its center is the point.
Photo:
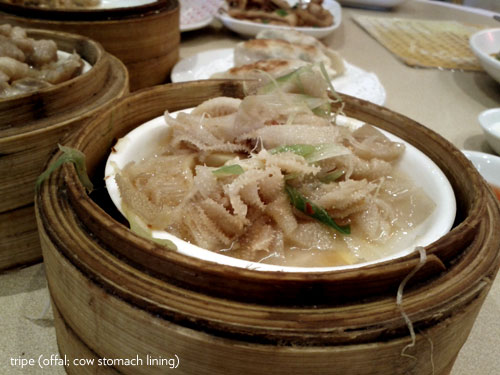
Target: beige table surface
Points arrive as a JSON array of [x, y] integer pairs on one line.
[[446, 101]]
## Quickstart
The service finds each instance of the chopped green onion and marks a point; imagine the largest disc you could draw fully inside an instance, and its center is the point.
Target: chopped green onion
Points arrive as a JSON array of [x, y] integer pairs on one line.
[[325, 110], [299, 149], [332, 176], [138, 227], [310, 209], [70, 155], [329, 81], [326, 151], [281, 12], [228, 170], [315, 153], [284, 79], [311, 102], [291, 176]]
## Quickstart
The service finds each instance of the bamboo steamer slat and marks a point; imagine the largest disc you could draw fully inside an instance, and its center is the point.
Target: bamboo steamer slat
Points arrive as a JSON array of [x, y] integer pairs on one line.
[[281, 287], [20, 244], [145, 38], [30, 127], [116, 295]]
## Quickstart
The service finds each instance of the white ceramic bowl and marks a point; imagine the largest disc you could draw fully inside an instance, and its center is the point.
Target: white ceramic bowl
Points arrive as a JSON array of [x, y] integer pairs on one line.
[[484, 43], [250, 29], [488, 165], [373, 3], [141, 142], [489, 121]]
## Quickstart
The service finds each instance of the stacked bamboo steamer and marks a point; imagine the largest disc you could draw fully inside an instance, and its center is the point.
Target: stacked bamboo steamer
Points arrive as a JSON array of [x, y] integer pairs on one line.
[[31, 126], [145, 37], [119, 297]]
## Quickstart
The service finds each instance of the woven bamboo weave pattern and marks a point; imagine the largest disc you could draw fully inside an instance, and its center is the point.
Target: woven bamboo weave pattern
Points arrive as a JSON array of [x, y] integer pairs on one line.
[[425, 43]]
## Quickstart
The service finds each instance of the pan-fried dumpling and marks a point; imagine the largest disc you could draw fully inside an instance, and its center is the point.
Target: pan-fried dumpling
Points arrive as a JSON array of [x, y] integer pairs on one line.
[[292, 36], [273, 67], [265, 49]]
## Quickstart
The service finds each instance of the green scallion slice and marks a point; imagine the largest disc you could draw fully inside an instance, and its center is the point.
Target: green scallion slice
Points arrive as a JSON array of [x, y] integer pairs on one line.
[[310, 209], [228, 170], [70, 155]]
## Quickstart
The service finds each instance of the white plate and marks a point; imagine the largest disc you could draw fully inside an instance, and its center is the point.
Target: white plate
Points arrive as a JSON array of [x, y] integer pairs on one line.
[[110, 4], [62, 55], [196, 14], [372, 3], [248, 28], [355, 81], [196, 25], [141, 142], [488, 165]]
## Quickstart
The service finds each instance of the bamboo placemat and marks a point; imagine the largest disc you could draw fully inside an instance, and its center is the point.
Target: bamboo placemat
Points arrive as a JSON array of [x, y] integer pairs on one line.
[[424, 43]]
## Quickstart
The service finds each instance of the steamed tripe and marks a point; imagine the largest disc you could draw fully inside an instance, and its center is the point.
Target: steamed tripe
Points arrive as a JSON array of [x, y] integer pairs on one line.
[[272, 178]]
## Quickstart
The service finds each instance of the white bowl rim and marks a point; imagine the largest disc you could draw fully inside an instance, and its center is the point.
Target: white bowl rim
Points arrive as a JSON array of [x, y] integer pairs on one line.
[[487, 112], [477, 157], [446, 201], [473, 44]]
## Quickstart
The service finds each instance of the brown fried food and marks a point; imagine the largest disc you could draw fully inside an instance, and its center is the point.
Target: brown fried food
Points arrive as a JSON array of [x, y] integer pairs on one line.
[[279, 12], [260, 16]]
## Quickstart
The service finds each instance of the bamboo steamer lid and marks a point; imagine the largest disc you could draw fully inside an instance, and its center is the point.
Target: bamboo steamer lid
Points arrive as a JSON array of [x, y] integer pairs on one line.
[[145, 38], [118, 296], [31, 126]]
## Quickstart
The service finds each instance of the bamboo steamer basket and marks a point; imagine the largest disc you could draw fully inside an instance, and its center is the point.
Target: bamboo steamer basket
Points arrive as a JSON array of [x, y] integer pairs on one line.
[[145, 38], [118, 296], [30, 127]]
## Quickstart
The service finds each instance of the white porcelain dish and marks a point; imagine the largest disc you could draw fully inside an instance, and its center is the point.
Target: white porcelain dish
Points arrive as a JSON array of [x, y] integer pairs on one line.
[[355, 81], [110, 4], [196, 25], [489, 121], [196, 14], [484, 44], [249, 29], [141, 142], [64, 55], [372, 3], [487, 165]]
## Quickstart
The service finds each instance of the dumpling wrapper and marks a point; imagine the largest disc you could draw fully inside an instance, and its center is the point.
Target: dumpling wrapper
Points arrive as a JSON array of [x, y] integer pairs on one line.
[[254, 50], [273, 67]]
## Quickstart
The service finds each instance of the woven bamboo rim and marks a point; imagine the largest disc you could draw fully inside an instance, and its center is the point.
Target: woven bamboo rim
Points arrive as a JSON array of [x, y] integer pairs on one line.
[[469, 193], [145, 38], [85, 14], [221, 320], [30, 127]]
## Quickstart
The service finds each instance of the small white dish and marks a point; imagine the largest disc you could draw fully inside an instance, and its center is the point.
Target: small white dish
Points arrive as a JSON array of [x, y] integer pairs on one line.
[[489, 120], [373, 3], [249, 29], [141, 142], [485, 44], [62, 55], [355, 81], [196, 14], [487, 165]]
